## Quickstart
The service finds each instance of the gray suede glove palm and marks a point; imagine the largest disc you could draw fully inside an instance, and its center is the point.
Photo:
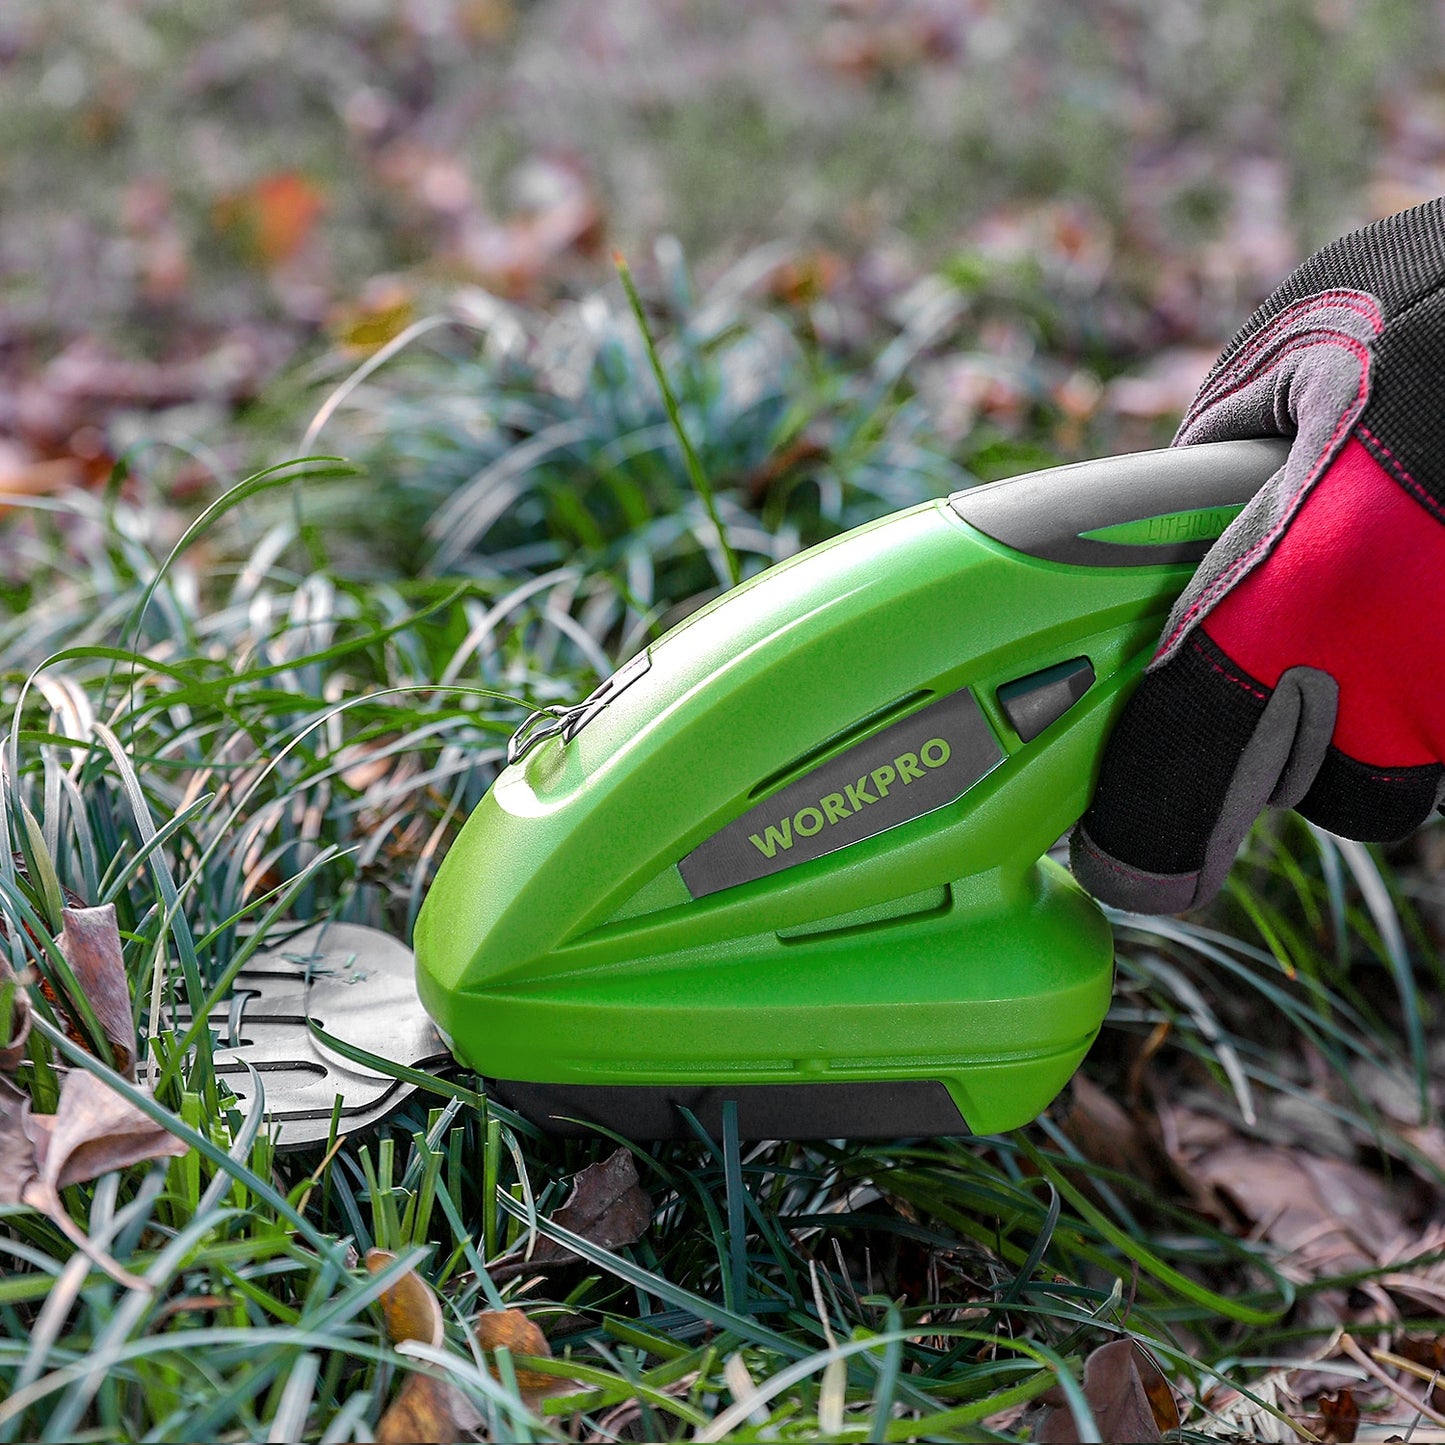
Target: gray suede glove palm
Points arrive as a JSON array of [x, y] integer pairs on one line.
[[1304, 666]]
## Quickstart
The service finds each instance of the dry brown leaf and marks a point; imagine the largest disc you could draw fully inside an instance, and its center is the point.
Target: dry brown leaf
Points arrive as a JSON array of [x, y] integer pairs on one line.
[[514, 1331], [427, 1410], [17, 1022], [94, 1130], [90, 941], [1108, 1134], [1330, 1215], [58, 411], [607, 1206], [1339, 1417], [1124, 1408], [410, 1306], [1429, 1352], [17, 1153], [63, 1007]]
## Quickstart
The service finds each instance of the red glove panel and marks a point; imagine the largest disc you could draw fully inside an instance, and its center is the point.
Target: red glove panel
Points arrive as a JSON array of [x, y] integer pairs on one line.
[[1305, 664]]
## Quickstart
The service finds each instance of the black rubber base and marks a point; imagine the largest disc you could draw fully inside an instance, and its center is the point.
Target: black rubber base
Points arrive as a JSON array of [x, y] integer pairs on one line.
[[888, 1109]]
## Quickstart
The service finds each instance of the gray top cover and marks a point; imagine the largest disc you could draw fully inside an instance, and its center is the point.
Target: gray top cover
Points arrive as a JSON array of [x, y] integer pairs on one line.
[[1045, 513]]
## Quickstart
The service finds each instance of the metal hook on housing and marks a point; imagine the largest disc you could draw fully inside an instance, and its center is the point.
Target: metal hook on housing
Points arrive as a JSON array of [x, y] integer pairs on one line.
[[545, 723], [567, 722]]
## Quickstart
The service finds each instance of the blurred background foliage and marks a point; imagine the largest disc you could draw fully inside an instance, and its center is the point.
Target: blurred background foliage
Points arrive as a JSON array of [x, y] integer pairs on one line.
[[196, 201]]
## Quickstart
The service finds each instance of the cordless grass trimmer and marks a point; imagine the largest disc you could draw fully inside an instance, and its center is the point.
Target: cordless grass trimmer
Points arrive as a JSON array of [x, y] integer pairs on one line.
[[792, 855]]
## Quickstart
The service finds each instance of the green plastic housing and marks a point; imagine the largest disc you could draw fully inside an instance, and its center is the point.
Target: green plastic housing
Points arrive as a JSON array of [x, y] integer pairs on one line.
[[560, 944]]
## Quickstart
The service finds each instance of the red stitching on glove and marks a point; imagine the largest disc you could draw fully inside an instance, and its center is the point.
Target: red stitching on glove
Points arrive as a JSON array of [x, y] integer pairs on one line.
[[1324, 336], [1386, 457], [1270, 333], [1226, 580], [1238, 681]]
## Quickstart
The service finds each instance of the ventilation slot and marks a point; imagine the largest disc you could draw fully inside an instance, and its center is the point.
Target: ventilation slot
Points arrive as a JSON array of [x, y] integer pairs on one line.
[[893, 910], [839, 741]]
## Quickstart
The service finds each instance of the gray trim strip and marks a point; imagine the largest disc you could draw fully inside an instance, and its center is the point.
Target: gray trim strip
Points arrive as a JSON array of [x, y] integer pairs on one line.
[[1043, 513], [886, 1109], [912, 767]]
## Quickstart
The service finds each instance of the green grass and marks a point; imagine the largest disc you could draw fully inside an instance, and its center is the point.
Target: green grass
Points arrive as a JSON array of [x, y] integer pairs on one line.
[[187, 720]]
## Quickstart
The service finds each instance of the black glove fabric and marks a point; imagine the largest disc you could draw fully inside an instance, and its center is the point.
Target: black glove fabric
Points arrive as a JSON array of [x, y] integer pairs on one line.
[[1304, 666]]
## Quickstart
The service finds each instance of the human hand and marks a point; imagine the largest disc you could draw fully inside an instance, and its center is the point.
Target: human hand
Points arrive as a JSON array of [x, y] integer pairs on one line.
[[1304, 666]]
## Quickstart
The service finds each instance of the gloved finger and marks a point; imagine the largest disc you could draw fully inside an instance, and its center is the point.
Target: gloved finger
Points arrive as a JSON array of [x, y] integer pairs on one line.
[[1371, 804], [1199, 751]]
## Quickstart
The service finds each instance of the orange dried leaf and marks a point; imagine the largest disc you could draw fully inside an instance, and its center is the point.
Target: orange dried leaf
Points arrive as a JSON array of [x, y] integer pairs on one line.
[[409, 1306], [510, 1330], [274, 217], [287, 207], [427, 1410], [515, 1332]]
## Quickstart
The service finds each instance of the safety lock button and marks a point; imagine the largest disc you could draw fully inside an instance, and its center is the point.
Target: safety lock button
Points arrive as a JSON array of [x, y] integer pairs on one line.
[[1031, 703]]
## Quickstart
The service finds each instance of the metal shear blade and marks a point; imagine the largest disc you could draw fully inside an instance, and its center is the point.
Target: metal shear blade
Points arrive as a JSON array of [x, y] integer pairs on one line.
[[356, 983]]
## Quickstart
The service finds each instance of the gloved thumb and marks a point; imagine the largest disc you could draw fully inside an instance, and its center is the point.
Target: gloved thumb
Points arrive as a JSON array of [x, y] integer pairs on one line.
[[1199, 751]]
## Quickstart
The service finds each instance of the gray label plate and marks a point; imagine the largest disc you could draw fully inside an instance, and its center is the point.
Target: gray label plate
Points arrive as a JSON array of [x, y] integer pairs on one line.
[[914, 766]]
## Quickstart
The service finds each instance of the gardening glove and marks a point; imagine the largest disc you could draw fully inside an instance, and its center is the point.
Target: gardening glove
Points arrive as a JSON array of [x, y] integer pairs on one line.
[[1304, 666]]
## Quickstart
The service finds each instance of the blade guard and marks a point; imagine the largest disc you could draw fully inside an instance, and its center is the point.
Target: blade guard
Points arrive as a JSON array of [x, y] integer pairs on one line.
[[356, 985], [705, 880]]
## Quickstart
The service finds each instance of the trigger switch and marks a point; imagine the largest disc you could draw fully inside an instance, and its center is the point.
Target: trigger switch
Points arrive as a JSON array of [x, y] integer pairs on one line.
[[1031, 703]]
